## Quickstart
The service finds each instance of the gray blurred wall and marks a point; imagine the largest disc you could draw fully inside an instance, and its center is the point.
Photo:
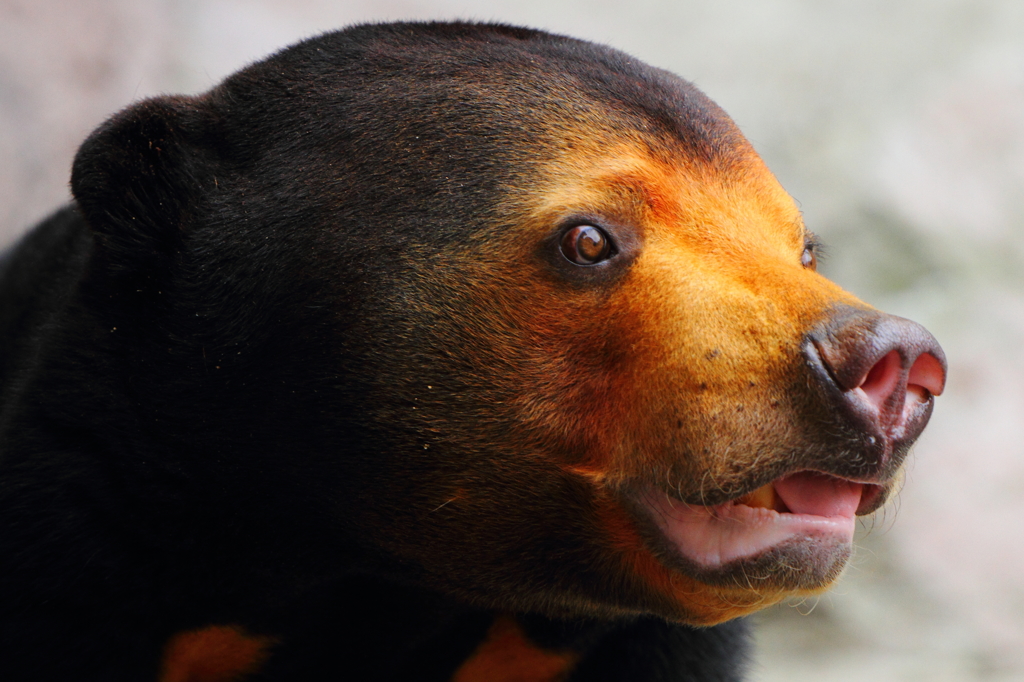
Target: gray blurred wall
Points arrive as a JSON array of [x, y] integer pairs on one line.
[[898, 126]]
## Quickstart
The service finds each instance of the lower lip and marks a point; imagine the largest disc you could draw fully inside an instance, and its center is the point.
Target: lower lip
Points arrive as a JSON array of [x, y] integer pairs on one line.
[[715, 536]]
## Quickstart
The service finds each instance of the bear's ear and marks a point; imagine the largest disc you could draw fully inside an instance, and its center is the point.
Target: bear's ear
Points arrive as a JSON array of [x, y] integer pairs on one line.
[[140, 177]]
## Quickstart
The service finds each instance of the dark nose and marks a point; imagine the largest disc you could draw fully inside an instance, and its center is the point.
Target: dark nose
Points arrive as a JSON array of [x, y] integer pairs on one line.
[[880, 372]]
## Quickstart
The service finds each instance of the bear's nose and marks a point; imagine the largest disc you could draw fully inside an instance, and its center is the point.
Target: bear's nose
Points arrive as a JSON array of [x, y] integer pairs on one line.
[[880, 371]]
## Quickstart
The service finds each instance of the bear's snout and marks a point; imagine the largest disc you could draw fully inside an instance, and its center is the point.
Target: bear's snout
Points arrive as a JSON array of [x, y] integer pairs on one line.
[[879, 374]]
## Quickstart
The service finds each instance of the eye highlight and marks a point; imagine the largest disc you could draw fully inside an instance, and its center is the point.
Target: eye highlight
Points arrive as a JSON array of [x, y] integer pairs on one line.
[[586, 245]]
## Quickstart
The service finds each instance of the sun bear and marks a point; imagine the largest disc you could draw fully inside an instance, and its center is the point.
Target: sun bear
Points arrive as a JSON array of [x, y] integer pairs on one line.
[[437, 351]]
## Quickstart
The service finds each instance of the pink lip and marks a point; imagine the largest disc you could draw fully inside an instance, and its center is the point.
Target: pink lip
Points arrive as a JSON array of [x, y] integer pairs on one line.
[[808, 505]]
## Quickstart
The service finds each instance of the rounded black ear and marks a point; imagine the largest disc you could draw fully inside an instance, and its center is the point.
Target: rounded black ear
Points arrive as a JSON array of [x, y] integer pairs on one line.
[[140, 177]]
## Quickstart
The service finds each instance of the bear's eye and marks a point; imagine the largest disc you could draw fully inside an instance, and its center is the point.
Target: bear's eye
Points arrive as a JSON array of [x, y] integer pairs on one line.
[[808, 259], [586, 245], [812, 251]]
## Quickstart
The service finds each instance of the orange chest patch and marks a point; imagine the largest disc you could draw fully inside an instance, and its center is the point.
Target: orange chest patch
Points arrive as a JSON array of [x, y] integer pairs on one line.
[[219, 653], [506, 655]]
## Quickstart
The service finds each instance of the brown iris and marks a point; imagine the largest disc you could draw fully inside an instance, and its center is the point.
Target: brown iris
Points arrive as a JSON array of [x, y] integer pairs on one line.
[[586, 245]]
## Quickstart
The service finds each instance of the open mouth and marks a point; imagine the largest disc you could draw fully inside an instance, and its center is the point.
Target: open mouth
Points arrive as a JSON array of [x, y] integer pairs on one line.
[[803, 505]]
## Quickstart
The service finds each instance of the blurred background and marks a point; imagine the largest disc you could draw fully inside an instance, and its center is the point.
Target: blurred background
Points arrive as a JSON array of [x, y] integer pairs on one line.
[[898, 126]]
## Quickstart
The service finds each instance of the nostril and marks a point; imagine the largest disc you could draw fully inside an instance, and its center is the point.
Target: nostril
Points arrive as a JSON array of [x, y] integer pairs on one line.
[[926, 376], [882, 379], [886, 368], [878, 374]]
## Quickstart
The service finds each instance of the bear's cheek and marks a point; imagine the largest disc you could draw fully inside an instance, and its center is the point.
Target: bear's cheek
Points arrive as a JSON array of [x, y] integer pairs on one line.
[[692, 376], [683, 371]]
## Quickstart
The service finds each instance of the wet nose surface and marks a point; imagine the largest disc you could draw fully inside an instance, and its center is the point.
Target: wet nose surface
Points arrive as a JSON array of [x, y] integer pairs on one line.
[[880, 372]]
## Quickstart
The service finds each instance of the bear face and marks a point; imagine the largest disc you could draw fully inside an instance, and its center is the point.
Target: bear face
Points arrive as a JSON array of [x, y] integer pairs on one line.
[[499, 314], [667, 384]]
